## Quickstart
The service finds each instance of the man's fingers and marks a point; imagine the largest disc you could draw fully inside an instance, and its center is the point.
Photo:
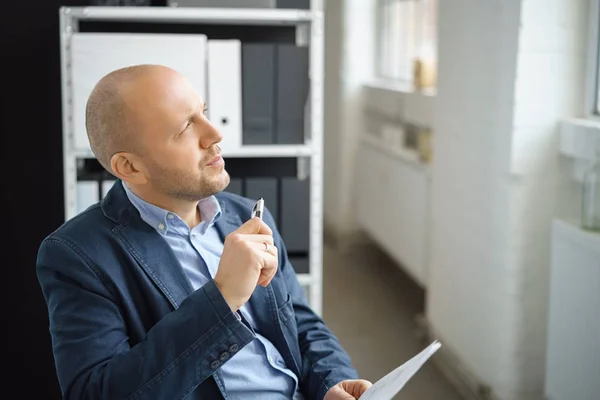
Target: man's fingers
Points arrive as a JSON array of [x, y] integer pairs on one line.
[[264, 229], [270, 278], [259, 245], [259, 239], [338, 393], [252, 226], [266, 276], [269, 269], [255, 226]]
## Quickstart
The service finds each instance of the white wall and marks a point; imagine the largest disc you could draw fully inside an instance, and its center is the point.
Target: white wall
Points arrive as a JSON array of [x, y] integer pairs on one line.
[[469, 297], [508, 72], [348, 63]]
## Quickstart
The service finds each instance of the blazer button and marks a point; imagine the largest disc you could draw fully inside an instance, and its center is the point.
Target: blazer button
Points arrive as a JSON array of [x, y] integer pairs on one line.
[[224, 356], [233, 348], [215, 364]]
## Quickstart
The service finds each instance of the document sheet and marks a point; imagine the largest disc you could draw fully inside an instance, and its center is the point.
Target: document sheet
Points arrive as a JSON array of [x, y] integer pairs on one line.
[[388, 386]]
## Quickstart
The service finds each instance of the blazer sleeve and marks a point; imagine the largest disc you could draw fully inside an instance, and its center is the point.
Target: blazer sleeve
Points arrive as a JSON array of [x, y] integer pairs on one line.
[[93, 357], [324, 362]]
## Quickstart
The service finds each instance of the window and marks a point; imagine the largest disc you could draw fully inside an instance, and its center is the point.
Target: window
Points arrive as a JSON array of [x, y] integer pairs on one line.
[[593, 81], [406, 32]]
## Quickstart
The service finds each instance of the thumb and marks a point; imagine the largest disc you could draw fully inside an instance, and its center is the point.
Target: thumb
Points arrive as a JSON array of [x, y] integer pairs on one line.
[[340, 394], [254, 226]]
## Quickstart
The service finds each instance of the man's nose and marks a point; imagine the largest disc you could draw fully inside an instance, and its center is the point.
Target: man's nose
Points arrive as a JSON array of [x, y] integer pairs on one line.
[[210, 135]]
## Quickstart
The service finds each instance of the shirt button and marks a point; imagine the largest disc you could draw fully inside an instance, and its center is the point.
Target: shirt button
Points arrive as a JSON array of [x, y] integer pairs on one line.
[[215, 364], [161, 226], [224, 356], [233, 348]]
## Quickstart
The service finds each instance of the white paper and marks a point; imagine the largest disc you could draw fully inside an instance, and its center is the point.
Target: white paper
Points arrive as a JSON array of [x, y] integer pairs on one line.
[[388, 386]]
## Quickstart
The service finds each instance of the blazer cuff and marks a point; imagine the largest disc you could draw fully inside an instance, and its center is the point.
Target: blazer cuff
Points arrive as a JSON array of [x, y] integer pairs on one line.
[[229, 318]]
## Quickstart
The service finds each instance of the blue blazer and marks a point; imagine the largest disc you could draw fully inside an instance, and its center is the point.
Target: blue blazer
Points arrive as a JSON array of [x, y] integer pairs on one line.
[[125, 322]]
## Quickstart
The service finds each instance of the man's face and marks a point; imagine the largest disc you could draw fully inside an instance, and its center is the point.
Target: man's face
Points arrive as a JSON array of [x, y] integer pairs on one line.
[[178, 144]]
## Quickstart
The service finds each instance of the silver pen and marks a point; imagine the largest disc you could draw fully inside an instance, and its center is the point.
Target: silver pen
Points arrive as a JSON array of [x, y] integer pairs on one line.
[[258, 209]]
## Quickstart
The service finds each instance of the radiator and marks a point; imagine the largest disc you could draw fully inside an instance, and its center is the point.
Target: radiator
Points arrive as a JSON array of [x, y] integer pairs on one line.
[[573, 346]]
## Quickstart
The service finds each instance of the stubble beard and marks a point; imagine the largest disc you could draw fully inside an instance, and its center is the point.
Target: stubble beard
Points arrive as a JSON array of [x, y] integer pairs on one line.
[[192, 187]]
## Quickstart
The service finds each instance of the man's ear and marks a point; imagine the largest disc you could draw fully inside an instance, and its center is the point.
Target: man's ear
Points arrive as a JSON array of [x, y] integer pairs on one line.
[[129, 168]]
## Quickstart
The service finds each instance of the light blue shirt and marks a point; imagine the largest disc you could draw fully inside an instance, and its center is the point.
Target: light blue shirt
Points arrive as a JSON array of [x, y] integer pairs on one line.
[[258, 371]]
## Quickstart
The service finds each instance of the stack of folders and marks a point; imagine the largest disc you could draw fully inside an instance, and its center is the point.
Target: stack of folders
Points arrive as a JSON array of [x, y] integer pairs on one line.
[[257, 92]]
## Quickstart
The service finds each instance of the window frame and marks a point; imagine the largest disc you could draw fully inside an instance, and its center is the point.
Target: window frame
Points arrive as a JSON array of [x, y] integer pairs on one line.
[[592, 84]]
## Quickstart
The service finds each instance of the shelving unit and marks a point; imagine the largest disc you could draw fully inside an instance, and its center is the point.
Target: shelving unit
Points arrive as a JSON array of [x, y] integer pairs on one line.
[[308, 156]]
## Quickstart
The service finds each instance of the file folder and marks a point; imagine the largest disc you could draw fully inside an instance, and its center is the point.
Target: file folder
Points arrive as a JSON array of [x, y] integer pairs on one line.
[[300, 264], [295, 213], [88, 193], [258, 93], [267, 189], [292, 93], [225, 91], [297, 4], [235, 186]]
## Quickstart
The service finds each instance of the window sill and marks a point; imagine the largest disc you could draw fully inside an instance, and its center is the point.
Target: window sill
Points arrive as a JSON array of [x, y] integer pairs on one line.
[[398, 101], [580, 138], [580, 141], [396, 86]]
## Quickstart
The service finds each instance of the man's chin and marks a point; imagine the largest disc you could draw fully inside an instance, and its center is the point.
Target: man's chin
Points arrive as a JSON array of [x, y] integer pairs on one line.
[[220, 182]]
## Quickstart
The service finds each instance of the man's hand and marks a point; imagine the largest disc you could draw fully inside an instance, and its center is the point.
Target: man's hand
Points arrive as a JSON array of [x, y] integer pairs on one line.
[[348, 390], [245, 263]]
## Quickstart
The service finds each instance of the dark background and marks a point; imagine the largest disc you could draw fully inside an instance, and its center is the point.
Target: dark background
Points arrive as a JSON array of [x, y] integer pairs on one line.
[[32, 196]]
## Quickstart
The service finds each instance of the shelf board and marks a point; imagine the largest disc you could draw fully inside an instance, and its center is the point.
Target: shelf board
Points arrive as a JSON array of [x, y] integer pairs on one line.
[[246, 16]]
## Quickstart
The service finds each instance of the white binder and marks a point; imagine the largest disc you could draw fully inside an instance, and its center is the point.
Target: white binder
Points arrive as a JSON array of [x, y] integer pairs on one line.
[[88, 193], [225, 91], [93, 55]]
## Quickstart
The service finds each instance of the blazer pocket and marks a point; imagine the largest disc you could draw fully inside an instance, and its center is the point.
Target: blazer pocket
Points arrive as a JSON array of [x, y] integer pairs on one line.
[[286, 310]]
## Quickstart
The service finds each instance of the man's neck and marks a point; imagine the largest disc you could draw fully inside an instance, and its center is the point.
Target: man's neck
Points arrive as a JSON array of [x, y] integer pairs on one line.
[[186, 210]]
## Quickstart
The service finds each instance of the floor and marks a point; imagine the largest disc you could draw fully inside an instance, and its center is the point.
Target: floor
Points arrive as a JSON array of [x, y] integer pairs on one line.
[[371, 306]]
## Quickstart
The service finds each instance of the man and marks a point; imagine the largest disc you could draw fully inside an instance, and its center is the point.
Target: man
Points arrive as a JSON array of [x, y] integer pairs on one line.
[[162, 291]]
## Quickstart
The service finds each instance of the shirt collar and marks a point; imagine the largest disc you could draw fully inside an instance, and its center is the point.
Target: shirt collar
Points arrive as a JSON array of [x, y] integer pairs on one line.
[[161, 219]]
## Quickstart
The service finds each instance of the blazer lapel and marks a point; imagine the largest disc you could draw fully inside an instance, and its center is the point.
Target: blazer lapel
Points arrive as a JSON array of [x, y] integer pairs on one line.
[[146, 245], [157, 259]]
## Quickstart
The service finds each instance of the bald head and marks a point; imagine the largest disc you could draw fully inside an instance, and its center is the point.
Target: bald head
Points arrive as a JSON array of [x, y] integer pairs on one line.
[[110, 115]]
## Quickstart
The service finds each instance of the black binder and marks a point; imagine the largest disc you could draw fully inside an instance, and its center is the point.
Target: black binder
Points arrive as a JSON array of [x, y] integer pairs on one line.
[[258, 93]]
